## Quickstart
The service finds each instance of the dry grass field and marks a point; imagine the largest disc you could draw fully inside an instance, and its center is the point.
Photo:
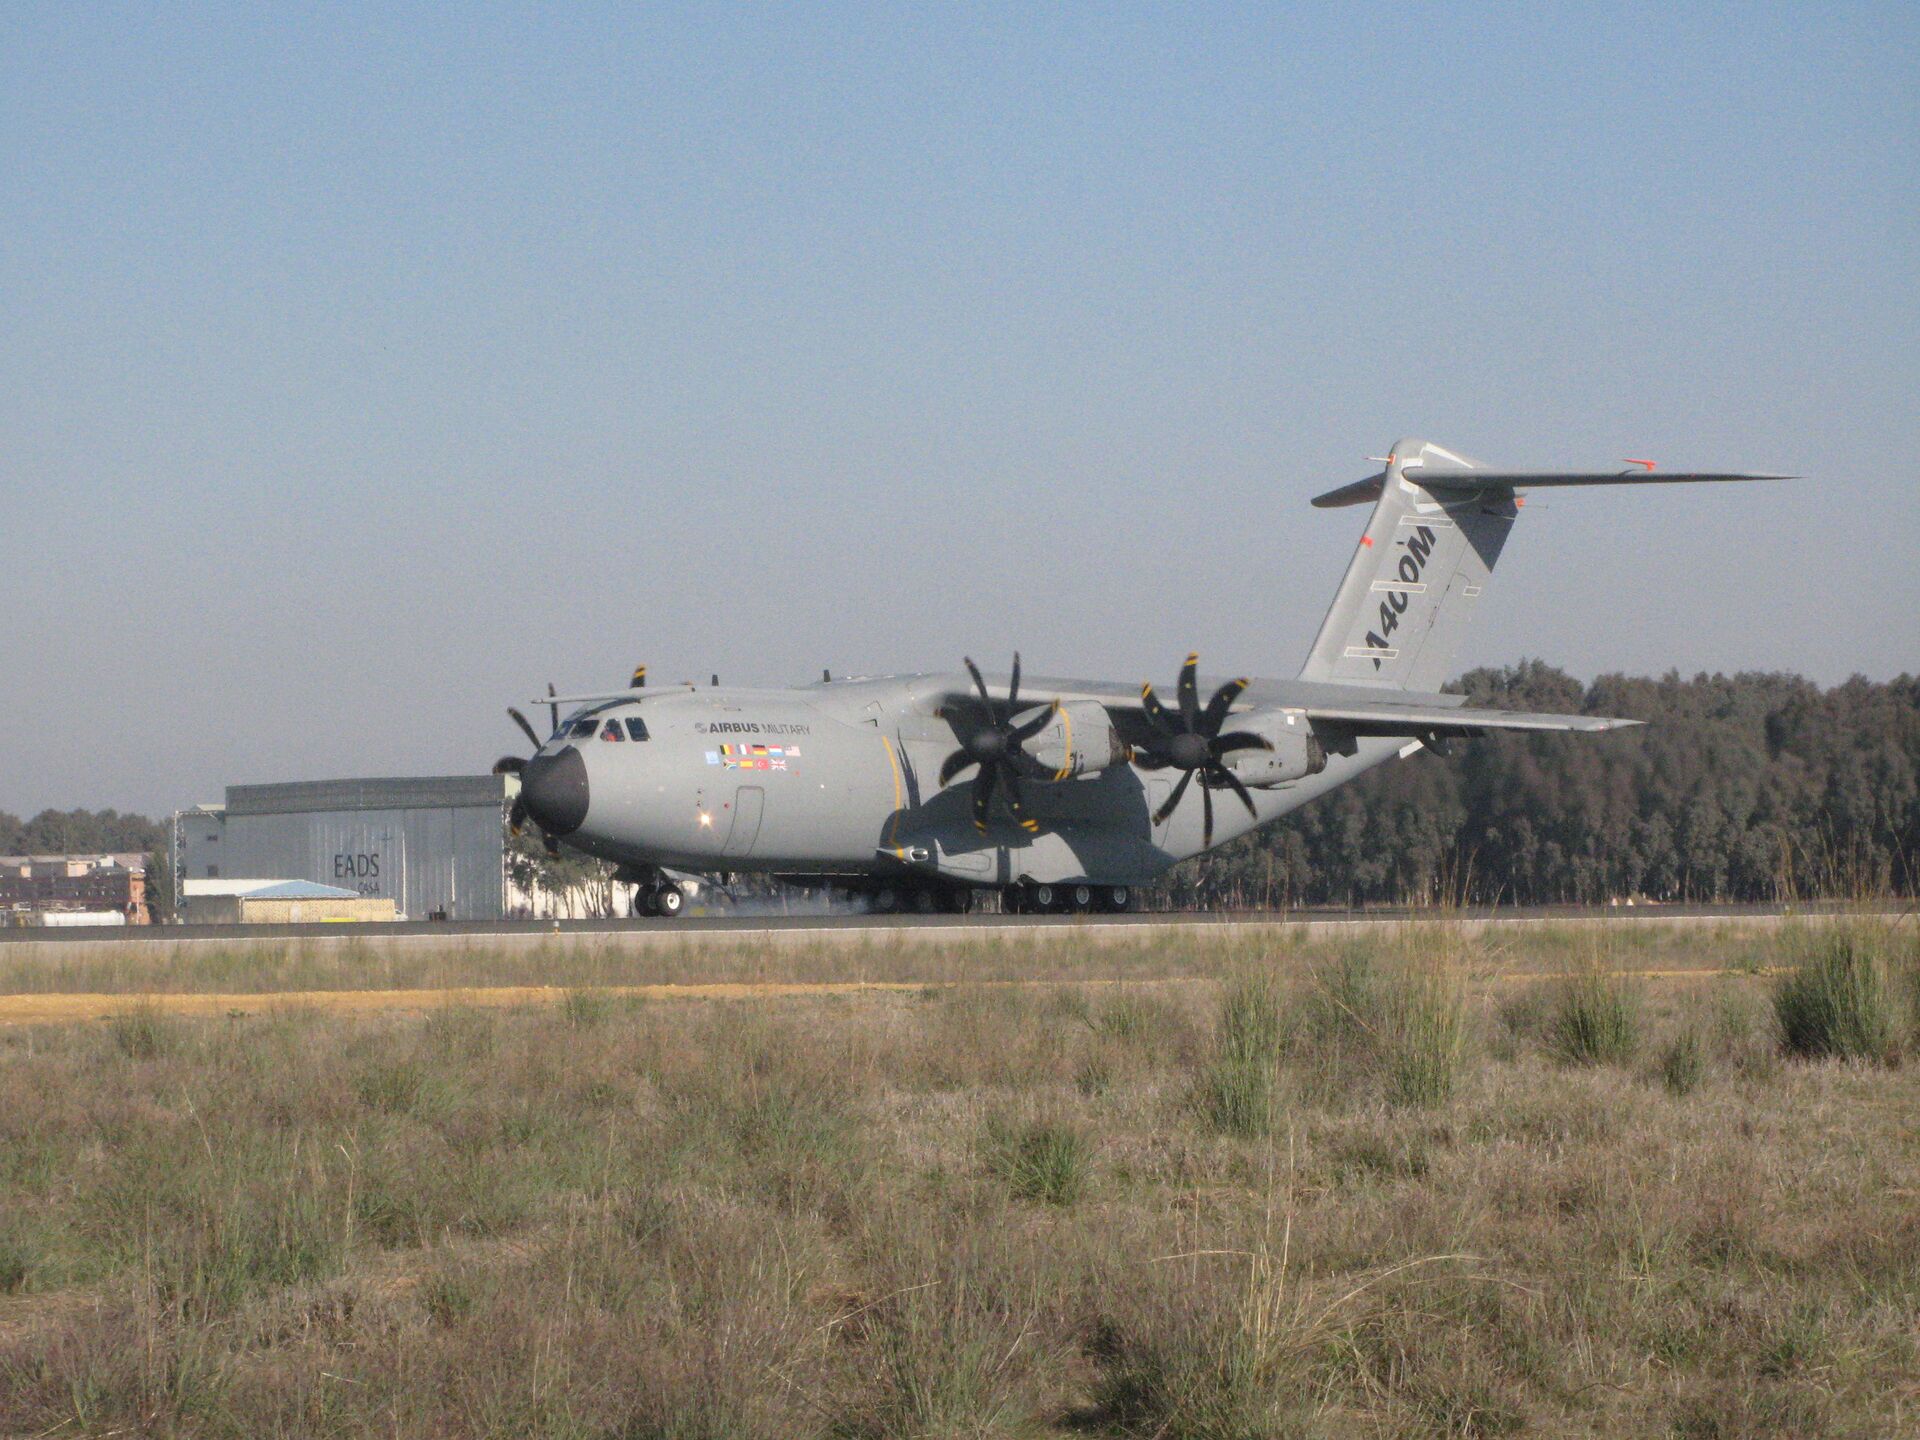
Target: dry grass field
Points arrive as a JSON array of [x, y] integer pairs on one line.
[[1568, 1180]]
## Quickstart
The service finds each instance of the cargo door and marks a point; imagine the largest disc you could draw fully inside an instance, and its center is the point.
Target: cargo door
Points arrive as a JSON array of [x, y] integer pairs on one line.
[[748, 803]]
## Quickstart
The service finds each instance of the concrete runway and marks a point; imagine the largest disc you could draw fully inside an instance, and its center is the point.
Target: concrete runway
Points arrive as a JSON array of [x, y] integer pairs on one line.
[[733, 928]]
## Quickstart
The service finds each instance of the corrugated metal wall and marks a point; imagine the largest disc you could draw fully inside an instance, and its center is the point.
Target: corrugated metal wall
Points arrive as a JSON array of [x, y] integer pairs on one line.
[[425, 857]]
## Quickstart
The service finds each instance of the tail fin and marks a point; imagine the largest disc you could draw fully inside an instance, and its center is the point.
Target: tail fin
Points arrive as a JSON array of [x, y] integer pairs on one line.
[[1439, 521]]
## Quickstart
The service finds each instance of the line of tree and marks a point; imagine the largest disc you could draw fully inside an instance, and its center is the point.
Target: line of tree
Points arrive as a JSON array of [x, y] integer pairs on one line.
[[1755, 786]]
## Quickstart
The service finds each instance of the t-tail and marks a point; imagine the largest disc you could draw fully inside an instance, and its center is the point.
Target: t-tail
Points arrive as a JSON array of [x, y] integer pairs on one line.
[[1438, 525]]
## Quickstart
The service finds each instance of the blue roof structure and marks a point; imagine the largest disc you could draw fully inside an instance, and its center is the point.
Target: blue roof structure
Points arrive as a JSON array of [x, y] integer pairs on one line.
[[301, 890]]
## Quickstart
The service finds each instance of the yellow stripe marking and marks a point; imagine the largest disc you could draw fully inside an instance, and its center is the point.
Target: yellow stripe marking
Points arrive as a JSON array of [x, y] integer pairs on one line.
[[893, 820]]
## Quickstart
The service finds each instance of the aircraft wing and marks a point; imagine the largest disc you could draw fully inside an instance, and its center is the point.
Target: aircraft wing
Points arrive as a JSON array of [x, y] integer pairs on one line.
[[1421, 720]]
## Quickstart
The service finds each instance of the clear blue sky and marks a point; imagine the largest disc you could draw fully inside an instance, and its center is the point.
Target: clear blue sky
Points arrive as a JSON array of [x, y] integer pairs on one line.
[[361, 370]]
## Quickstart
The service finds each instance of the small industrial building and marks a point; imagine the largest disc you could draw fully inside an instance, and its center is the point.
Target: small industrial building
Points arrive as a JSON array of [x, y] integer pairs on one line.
[[432, 846], [89, 889], [278, 902]]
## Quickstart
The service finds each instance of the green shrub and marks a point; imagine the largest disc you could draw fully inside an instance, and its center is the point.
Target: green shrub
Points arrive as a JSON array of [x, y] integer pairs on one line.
[[1596, 1020], [1838, 1004], [1039, 1160], [1684, 1063]]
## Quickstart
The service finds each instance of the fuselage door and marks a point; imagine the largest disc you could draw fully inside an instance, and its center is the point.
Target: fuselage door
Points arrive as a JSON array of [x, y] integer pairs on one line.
[[748, 803]]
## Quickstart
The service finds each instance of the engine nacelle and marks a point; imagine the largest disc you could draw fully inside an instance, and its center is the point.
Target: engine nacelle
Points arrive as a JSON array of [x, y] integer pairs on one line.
[[1079, 740], [1296, 753]]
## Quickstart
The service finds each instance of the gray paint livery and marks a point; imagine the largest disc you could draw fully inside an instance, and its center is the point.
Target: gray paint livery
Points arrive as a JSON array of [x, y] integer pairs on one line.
[[842, 778]]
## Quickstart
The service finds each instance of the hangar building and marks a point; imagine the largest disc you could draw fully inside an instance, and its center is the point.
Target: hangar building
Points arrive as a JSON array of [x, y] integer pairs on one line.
[[434, 845]]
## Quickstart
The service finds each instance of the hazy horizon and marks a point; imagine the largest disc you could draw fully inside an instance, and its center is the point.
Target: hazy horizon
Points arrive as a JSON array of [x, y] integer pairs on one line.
[[366, 370]]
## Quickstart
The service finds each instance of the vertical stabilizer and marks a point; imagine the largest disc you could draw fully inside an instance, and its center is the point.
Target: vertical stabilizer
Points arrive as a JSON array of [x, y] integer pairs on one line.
[[1400, 614]]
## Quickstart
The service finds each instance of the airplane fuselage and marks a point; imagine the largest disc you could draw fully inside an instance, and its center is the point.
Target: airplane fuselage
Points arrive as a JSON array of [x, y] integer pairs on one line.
[[841, 779]]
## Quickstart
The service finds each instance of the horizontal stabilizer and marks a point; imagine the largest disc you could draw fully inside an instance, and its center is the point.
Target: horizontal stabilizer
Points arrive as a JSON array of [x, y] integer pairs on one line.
[[1421, 720], [1363, 492]]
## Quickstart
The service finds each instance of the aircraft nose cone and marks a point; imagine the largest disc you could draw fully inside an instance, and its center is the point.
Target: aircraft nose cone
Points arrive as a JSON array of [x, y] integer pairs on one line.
[[554, 788]]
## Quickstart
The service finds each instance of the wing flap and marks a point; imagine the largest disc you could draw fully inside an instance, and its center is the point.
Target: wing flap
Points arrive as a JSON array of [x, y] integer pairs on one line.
[[1420, 720]]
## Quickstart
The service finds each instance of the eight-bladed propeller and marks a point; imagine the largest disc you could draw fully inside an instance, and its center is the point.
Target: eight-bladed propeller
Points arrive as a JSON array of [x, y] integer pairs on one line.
[[513, 765], [1190, 740], [994, 745]]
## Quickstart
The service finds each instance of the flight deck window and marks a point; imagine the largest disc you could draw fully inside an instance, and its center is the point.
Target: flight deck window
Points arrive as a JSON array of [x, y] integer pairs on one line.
[[583, 729], [636, 727], [613, 731]]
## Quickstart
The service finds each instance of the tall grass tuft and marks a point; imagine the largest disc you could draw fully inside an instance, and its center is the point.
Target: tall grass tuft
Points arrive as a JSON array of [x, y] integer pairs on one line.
[[1596, 1019], [1423, 1033], [1236, 1090], [1838, 1004], [1040, 1160], [143, 1033], [1252, 1027], [1684, 1063]]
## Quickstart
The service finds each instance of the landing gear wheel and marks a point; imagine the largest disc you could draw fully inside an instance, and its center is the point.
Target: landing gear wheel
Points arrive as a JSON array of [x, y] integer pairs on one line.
[[1043, 897], [647, 902], [956, 900], [669, 902], [1118, 899], [1080, 898], [925, 902], [886, 900]]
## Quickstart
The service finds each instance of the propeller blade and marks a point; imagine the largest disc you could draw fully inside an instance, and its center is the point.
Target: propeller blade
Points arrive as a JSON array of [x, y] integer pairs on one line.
[[1206, 818], [508, 765], [1034, 726], [1173, 800], [1013, 684], [1241, 740], [521, 721], [1014, 803], [983, 795], [1156, 712], [1218, 707], [1232, 782], [981, 686], [1190, 692], [553, 712], [953, 765]]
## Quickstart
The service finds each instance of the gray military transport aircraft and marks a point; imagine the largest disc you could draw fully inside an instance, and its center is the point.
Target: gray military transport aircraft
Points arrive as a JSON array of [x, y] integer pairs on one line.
[[917, 791]]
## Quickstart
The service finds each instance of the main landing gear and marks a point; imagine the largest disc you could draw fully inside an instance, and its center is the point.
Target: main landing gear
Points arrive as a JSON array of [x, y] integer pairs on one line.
[[665, 900], [917, 899], [1045, 899]]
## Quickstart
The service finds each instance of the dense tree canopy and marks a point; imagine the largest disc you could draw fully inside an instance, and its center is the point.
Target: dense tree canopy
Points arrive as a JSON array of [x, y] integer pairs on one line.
[[1742, 787], [65, 832]]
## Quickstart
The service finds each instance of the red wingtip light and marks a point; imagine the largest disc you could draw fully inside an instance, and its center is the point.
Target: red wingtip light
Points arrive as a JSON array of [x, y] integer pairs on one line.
[[1644, 464]]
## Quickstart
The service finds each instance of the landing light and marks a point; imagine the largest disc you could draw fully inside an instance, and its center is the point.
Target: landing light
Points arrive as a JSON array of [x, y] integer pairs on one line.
[[706, 819]]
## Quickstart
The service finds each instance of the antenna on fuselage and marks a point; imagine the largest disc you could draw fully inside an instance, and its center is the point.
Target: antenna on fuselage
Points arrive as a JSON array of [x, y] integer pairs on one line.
[[716, 682], [826, 676]]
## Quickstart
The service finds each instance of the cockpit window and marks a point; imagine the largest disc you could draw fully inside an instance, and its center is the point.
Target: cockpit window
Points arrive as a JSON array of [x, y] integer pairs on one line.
[[636, 727], [613, 731], [583, 729]]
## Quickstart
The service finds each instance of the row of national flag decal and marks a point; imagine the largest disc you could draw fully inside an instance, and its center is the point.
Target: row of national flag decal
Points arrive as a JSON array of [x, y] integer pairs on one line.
[[753, 757]]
